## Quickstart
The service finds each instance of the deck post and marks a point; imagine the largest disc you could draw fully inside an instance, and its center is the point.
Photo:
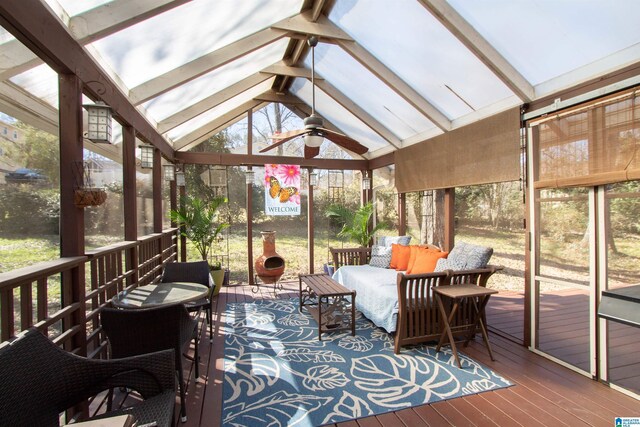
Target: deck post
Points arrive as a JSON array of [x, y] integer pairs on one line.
[[71, 216], [249, 187], [130, 200], [183, 239], [157, 191], [310, 225], [449, 218], [402, 214]]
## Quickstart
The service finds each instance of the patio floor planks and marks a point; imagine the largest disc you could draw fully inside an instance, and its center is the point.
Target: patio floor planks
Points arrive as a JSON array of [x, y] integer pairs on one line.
[[545, 393]]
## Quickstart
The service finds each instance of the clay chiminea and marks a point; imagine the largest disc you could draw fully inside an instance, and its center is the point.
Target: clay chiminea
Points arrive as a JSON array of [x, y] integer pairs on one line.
[[269, 266]]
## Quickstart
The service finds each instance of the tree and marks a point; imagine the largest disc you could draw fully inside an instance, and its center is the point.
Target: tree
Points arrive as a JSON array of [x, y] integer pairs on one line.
[[38, 150]]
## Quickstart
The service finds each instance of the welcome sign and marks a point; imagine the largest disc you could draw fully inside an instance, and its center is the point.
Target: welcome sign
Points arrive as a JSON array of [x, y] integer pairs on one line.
[[282, 189]]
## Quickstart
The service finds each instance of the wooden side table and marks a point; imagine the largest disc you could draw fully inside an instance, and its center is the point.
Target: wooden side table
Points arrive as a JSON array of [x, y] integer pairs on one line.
[[332, 305], [479, 297]]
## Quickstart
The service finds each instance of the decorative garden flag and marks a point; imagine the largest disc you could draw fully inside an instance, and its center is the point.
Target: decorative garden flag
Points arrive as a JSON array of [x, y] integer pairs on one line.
[[282, 189]]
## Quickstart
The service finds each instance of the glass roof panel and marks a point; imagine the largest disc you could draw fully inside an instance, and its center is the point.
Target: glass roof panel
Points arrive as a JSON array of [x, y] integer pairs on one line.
[[189, 93], [369, 92], [41, 82], [553, 37], [76, 7], [338, 115], [219, 111], [171, 39], [421, 52], [5, 36]]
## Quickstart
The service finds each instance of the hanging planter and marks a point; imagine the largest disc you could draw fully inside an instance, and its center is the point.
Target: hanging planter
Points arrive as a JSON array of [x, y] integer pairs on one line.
[[85, 194], [85, 197]]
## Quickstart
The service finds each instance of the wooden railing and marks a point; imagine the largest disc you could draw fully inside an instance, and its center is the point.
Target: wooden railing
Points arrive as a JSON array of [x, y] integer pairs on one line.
[[69, 292]]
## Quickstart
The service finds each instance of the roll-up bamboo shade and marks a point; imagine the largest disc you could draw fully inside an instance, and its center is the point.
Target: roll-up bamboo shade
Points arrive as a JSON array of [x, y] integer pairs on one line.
[[480, 153], [593, 144]]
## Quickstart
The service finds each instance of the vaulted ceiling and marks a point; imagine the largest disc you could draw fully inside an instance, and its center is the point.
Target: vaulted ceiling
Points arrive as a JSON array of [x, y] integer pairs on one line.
[[388, 73]]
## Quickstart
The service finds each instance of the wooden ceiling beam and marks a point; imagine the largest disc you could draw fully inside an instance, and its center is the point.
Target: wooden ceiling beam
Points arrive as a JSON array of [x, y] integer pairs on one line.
[[204, 64], [260, 160], [47, 36], [303, 23], [87, 27], [359, 112], [282, 69], [273, 96], [481, 48]]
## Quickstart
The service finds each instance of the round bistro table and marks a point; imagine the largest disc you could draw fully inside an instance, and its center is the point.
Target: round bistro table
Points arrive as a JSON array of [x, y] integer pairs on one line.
[[160, 294]]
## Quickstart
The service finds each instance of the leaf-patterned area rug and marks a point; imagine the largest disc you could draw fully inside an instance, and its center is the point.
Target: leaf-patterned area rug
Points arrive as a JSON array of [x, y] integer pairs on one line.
[[277, 373]]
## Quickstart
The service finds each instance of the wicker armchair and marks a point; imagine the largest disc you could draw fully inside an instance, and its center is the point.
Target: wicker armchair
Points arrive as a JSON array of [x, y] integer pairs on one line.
[[195, 272], [39, 380], [133, 332]]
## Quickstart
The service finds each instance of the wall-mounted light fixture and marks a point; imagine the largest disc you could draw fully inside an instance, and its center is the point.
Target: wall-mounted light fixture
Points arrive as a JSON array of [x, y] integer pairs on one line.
[[99, 122], [146, 156], [169, 172], [249, 176]]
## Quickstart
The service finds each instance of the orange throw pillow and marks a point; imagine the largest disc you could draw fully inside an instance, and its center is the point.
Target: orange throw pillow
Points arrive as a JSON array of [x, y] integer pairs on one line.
[[399, 256], [412, 257], [426, 260]]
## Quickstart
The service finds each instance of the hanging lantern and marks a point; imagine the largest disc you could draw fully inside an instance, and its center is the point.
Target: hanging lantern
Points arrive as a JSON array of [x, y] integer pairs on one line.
[[366, 183], [249, 176], [99, 122], [146, 156], [313, 178], [169, 172], [180, 180]]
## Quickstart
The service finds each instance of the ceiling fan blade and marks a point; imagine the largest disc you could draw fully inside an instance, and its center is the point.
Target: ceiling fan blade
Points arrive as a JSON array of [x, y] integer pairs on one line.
[[288, 134], [344, 141], [279, 142], [310, 152]]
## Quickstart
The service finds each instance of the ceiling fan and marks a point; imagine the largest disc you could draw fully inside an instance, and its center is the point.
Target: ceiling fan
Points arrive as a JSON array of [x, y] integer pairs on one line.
[[314, 133]]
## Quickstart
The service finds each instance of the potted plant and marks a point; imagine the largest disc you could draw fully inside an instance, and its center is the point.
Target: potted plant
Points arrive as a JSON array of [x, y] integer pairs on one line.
[[355, 224], [198, 219], [217, 273]]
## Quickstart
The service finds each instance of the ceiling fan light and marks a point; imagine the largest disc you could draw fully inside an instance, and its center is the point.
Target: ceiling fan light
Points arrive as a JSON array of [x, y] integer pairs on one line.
[[311, 140]]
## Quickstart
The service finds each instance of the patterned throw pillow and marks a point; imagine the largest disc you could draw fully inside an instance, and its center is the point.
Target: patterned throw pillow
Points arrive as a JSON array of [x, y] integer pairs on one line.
[[389, 240], [465, 256], [380, 256]]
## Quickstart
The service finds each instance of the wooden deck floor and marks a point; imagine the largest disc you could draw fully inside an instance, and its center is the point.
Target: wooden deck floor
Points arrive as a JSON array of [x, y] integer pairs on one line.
[[544, 393]]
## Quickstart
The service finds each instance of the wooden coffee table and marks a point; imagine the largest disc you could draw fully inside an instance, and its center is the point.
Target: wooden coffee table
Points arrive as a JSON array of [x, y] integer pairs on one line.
[[332, 305]]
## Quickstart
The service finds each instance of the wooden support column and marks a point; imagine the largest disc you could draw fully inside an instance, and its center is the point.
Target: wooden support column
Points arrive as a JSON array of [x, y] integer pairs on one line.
[[157, 191], [250, 200], [402, 214], [449, 218], [71, 216], [130, 200], [310, 225], [173, 199], [183, 238]]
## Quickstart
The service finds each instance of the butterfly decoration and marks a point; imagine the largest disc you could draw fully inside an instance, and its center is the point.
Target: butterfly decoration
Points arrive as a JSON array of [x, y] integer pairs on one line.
[[276, 190]]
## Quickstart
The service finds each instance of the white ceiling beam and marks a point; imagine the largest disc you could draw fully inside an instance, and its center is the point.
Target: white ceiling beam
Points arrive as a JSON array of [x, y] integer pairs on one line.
[[211, 101], [273, 96], [114, 16], [480, 47], [282, 69], [86, 27], [196, 136], [395, 83], [303, 23], [202, 65], [360, 113]]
